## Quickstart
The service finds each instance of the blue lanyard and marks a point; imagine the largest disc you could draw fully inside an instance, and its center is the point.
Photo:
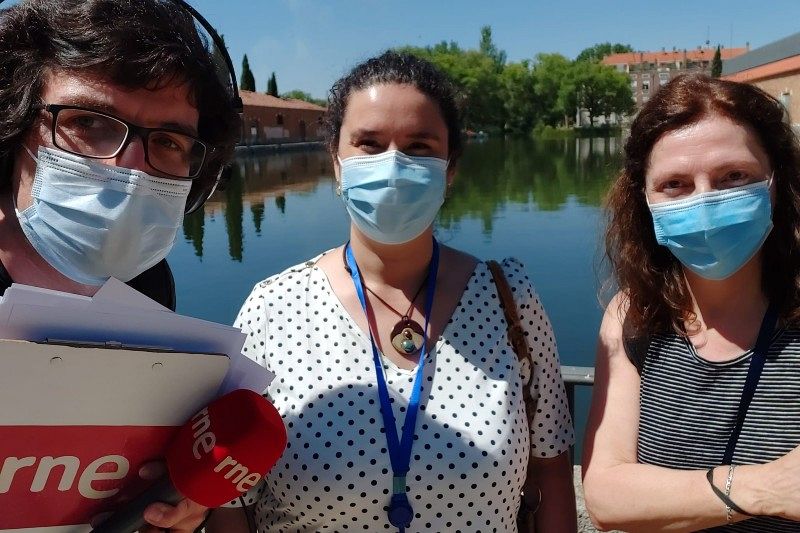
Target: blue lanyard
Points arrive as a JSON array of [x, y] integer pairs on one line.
[[400, 511], [753, 375]]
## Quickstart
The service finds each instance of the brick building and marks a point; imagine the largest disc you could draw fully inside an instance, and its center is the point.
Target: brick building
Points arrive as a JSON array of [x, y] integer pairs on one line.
[[775, 68], [648, 71], [270, 120]]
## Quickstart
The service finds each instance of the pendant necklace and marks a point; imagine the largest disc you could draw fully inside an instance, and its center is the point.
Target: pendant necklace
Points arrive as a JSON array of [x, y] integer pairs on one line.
[[407, 335]]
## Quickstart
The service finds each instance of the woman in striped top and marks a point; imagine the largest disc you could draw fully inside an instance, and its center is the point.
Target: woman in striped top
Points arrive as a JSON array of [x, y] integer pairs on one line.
[[698, 365]]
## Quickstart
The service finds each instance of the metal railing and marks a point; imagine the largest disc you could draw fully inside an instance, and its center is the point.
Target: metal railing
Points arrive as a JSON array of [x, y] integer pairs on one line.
[[576, 376]]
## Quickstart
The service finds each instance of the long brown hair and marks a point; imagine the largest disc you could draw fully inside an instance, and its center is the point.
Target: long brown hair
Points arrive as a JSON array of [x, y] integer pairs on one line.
[[647, 274]]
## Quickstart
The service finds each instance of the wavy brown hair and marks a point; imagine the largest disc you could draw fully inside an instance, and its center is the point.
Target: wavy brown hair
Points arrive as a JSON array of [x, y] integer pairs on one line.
[[647, 274]]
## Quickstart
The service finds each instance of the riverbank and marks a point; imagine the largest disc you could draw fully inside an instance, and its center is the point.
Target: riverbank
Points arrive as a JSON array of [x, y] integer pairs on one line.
[[261, 149]]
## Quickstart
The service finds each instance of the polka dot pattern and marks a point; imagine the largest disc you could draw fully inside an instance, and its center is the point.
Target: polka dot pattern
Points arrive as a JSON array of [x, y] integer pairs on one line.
[[472, 441]]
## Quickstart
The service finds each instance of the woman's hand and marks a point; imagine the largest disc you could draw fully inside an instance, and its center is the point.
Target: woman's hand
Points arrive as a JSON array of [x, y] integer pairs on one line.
[[184, 517], [769, 489]]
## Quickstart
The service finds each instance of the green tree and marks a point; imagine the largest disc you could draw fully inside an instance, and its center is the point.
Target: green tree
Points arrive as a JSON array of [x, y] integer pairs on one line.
[[716, 64], [521, 105], [297, 94], [248, 81], [597, 88], [489, 49], [599, 51], [550, 72], [272, 86], [477, 76]]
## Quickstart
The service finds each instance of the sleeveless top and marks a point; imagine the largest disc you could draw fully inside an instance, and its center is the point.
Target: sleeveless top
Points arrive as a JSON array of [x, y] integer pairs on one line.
[[688, 407]]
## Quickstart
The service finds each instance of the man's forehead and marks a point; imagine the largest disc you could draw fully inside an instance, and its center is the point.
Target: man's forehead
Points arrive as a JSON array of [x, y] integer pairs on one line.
[[170, 104]]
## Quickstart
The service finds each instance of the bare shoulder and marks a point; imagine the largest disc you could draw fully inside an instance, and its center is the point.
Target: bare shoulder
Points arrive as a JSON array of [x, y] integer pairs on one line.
[[456, 268], [613, 319]]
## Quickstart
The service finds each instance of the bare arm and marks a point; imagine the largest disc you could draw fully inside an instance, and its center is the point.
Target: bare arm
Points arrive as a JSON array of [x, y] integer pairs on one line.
[[227, 520], [622, 494], [554, 478]]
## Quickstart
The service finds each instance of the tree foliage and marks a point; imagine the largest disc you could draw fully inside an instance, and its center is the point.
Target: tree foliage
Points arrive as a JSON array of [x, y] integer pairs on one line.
[[716, 63], [498, 96], [272, 86], [599, 51], [297, 94], [248, 81]]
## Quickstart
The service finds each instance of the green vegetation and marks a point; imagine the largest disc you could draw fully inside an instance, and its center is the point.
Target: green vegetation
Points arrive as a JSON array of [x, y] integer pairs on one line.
[[716, 64], [248, 81], [599, 51], [272, 86], [304, 96], [516, 98]]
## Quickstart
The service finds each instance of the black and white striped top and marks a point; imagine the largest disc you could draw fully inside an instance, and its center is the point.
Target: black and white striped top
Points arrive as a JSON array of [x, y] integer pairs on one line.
[[688, 409]]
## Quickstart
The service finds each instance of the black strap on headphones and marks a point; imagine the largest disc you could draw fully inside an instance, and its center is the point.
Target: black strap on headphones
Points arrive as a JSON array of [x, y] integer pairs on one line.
[[218, 42], [236, 101]]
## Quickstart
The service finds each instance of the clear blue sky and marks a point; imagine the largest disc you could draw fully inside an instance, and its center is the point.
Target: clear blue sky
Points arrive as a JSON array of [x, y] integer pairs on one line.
[[310, 43]]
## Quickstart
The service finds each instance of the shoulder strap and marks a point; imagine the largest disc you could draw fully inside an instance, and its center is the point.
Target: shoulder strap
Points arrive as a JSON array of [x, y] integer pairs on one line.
[[516, 335]]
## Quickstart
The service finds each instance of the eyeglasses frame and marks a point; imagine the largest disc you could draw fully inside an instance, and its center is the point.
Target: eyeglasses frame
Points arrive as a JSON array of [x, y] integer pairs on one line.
[[133, 131]]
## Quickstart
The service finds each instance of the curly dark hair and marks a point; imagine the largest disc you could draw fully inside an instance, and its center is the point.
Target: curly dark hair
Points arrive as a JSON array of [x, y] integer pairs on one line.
[[395, 67], [647, 274], [135, 44]]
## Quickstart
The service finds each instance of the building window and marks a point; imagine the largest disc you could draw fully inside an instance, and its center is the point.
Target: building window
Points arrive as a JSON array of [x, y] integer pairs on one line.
[[663, 77], [646, 76], [645, 87], [634, 83], [279, 119]]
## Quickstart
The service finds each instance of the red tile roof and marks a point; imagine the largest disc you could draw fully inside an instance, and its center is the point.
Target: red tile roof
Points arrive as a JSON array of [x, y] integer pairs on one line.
[[250, 98], [633, 58]]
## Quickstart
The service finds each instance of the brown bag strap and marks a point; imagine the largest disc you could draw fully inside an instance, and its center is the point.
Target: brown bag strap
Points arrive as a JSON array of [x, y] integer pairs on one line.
[[516, 337]]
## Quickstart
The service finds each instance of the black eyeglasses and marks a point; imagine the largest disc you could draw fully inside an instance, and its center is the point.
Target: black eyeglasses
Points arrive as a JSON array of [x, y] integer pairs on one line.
[[99, 135]]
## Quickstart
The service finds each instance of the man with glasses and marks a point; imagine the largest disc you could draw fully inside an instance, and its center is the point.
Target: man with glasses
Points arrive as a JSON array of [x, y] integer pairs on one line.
[[114, 122]]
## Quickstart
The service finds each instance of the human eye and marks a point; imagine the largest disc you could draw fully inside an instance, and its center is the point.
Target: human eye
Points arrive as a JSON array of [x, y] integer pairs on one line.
[[170, 142], [419, 148], [85, 122], [736, 178], [367, 145], [672, 187]]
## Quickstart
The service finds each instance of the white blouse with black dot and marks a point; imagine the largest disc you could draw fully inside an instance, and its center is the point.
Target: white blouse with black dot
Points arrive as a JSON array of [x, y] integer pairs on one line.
[[471, 443]]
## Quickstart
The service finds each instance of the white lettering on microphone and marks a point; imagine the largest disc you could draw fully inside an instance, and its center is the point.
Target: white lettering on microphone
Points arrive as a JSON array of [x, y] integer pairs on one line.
[[71, 465], [203, 437], [242, 477]]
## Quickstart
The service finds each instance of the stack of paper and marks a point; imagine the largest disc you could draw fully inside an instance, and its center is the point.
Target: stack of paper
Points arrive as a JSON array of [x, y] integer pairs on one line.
[[120, 315], [93, 389]]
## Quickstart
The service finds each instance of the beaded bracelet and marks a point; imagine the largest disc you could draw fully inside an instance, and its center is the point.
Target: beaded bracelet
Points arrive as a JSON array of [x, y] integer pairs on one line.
[[729, 504]]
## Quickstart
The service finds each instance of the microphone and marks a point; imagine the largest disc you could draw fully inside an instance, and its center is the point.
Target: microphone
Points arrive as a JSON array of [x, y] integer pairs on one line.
[[217, 455]]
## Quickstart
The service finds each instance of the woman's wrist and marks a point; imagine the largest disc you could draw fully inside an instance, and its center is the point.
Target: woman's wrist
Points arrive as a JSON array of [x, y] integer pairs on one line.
[[750, 490]]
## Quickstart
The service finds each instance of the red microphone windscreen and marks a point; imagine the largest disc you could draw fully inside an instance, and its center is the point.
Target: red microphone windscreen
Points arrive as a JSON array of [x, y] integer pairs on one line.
[[226, 448]]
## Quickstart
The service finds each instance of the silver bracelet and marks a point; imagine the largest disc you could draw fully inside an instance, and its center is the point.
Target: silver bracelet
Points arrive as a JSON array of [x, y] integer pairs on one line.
[[728, 483]]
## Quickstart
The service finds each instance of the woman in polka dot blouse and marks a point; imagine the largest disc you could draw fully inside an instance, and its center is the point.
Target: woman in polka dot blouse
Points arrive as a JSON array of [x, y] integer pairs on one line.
[[323, 327]]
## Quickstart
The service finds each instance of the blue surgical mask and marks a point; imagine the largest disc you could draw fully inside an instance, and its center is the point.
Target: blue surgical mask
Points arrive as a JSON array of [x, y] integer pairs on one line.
[[714, 234], [392, 197], [92, 221]]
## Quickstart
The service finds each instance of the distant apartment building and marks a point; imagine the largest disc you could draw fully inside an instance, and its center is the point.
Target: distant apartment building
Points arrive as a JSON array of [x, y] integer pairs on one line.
[[270, 120], [648, 71], [775, 68]]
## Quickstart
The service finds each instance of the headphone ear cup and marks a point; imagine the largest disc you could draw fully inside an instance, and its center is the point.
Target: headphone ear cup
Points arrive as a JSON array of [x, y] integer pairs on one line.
[[206, 184]]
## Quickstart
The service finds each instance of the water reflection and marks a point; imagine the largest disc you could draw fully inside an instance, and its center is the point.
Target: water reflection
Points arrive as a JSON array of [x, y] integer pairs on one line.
[[491, 175], [544, 174], [256, 182]]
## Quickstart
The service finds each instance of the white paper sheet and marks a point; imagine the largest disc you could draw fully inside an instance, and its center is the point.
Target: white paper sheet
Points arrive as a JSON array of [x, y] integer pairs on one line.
[[120, 314]]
